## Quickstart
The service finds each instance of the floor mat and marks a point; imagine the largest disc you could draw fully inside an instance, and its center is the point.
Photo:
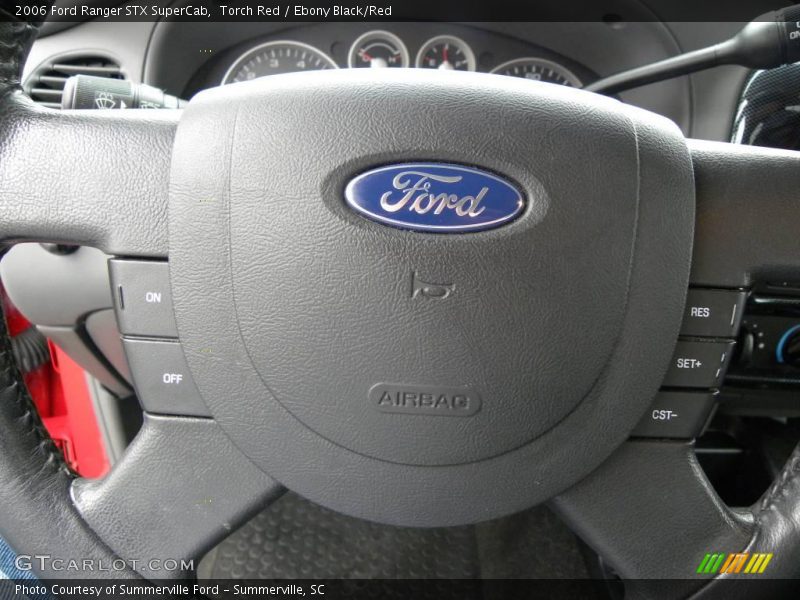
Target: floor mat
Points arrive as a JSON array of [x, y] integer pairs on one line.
[[296, 539]]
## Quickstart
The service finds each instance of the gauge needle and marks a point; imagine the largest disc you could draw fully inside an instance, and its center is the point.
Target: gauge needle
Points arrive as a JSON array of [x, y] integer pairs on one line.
[[374, 63], [446, 64]]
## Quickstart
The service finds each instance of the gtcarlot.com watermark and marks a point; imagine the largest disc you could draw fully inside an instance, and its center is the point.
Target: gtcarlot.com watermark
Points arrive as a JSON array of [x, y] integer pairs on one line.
[[45, 562]]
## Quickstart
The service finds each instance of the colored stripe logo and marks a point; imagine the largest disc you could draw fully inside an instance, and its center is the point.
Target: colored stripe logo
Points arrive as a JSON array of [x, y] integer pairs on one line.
[[735, 562]]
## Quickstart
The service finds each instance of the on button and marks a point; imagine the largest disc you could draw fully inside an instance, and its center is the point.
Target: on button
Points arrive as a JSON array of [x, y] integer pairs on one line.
[[142, 297]]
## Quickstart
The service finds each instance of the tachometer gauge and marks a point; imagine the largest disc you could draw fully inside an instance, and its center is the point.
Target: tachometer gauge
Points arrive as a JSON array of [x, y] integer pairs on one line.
[[378, 49], [446, 52], [273, 58], [539, 69]]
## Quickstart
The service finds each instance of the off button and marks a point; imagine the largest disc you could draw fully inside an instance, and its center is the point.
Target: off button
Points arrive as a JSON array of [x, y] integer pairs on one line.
[[162, 379], [699, 364]]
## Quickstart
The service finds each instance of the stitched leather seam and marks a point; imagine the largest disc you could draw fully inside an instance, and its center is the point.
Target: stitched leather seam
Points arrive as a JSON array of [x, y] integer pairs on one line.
[[22, 34]]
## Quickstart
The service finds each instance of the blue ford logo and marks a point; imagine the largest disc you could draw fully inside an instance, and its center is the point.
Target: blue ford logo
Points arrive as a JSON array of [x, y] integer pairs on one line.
[[435, 197]]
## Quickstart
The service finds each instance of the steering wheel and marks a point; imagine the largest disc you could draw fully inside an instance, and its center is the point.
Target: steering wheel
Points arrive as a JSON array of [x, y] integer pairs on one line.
[[290, 307]]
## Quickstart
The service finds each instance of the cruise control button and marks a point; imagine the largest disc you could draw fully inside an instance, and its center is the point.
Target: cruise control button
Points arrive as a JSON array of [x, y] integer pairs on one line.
[[161, 378], [677, 415], [699, 364], [713, 313], [142, 297]]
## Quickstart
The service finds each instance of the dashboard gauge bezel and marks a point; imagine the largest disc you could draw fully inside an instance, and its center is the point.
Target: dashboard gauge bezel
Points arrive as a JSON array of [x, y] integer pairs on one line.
[[250, 52], [472, 63], [566, 73], [393, 38]]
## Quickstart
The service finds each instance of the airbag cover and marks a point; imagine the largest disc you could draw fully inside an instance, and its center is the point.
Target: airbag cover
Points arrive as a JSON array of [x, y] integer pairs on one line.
[[360, 363]]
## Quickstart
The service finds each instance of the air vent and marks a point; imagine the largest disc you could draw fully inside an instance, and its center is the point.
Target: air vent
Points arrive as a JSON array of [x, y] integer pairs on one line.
[[45, 84]]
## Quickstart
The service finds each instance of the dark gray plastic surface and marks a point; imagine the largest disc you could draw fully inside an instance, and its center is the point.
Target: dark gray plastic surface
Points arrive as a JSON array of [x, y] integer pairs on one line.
[[52, 289], [73, 343], [101, 327], [63, 293]]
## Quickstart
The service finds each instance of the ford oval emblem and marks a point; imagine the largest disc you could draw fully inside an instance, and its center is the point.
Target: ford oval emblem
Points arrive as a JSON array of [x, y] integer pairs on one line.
[[434, 197]]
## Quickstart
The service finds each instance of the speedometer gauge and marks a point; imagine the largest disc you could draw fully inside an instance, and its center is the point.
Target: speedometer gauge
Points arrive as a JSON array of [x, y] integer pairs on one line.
[[274, 58], [538, 69]]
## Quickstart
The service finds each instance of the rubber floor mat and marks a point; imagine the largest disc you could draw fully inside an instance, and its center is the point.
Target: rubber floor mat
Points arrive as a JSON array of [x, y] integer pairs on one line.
[[296, 539]]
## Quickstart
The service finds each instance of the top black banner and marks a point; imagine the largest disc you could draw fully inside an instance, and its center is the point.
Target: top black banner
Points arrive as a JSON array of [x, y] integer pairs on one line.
[[609, 11]]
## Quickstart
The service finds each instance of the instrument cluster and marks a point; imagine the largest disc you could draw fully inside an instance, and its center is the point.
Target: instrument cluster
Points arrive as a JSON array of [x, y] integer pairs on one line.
[[382, 49]]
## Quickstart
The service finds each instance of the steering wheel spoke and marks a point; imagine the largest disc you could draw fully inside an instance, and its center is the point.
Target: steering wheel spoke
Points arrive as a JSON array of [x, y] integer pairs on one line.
[[180, 488], [100, 178], [748, 212], [94, 178], [650, 512]]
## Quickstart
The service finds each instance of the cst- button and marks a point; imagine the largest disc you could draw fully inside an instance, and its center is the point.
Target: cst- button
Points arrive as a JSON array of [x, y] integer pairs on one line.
[[676, 415], [699, 364], [161, 378]]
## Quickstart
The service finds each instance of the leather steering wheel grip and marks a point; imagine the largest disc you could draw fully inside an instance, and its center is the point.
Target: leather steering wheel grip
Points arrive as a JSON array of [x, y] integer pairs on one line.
[[38, 516], [649, 510]]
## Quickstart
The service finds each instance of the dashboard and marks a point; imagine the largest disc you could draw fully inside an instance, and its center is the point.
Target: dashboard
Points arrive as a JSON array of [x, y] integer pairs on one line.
[[185, 58], [443, 46], [447, 48]]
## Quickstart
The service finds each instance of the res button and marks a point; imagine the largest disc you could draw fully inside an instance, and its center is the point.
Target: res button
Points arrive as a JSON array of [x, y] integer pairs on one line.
[[713, 313]]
